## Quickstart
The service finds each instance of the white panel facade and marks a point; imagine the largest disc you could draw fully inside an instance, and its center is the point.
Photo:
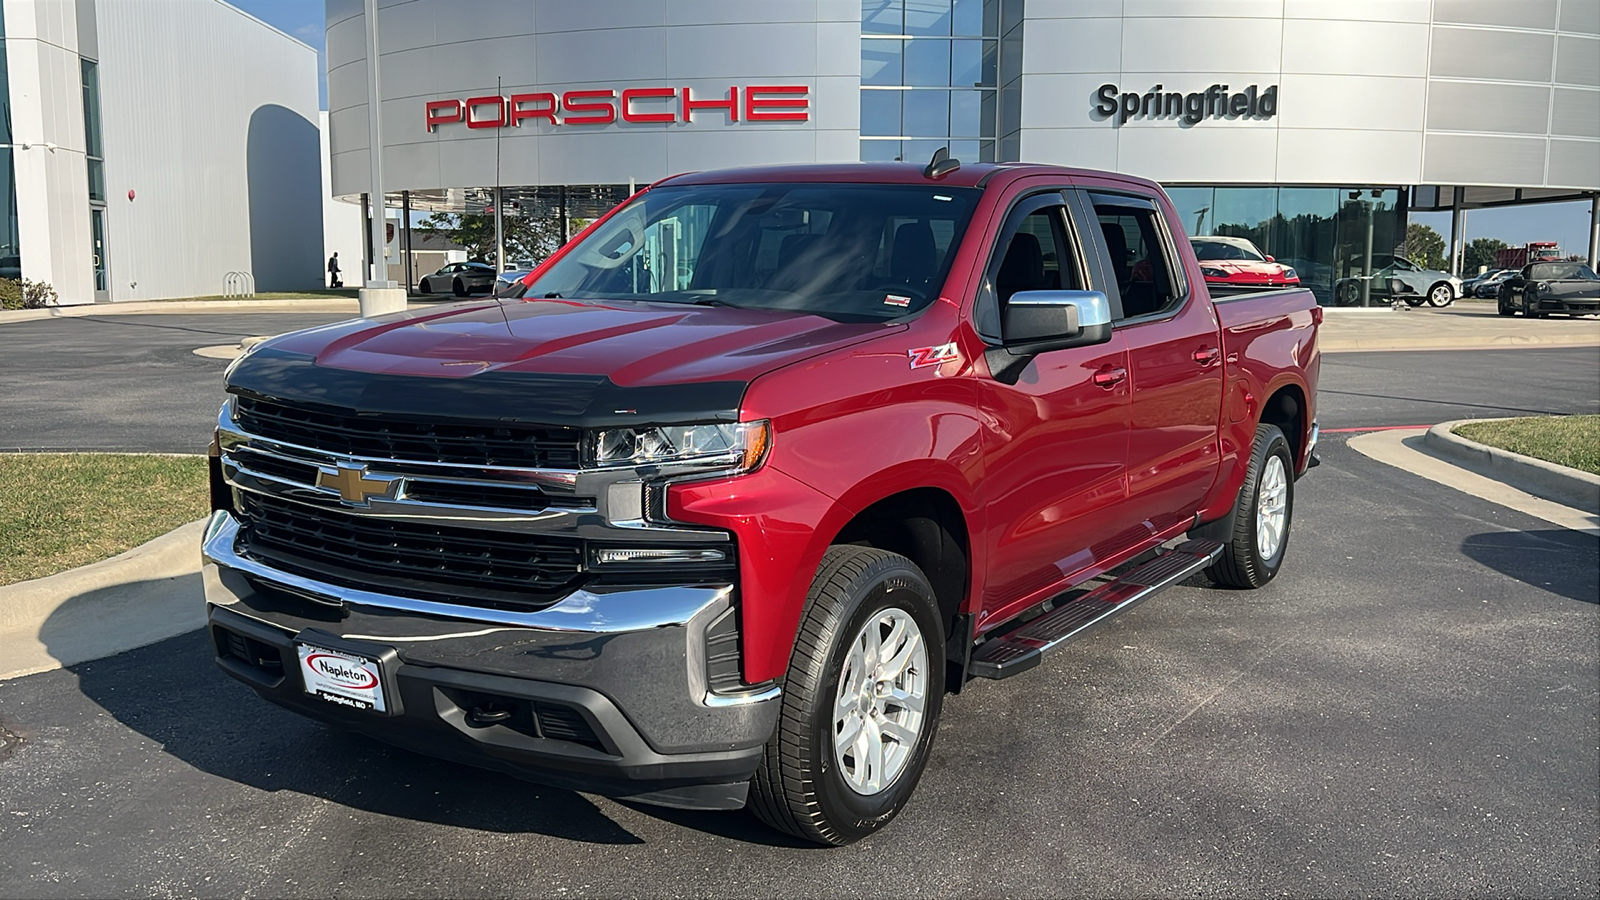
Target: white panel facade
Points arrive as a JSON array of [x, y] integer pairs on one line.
[[210, 120], [1370, 91], [439, 50], [52, 188]]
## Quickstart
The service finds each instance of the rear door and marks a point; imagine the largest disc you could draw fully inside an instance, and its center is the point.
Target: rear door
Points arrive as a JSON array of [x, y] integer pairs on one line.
[[1175, 360], [1056, 437]]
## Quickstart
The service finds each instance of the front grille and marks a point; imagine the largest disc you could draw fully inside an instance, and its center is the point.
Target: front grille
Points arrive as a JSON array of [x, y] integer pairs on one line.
[[288, 470], [461, 565], [385, 437]]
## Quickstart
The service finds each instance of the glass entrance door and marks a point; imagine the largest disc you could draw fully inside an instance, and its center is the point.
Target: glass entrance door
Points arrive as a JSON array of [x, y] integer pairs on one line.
[[102, 278]]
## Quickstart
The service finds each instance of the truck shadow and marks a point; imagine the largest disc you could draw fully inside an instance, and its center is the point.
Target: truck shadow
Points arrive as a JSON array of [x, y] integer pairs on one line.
[[1556, 560], [171, 693]]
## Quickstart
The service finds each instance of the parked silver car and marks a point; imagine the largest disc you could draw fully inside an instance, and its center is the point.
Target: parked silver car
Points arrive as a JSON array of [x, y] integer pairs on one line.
[[1398, 278], [460, 279]]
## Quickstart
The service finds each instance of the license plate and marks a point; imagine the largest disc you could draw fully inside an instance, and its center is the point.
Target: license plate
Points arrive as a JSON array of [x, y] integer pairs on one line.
[[341, 678]]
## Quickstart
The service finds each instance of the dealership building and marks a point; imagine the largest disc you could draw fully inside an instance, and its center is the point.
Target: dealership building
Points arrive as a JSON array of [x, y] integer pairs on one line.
[[1311, 126], [156, 148]]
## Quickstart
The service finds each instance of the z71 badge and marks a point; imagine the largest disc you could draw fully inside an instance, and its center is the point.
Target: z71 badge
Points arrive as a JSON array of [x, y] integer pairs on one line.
[[933, 356]]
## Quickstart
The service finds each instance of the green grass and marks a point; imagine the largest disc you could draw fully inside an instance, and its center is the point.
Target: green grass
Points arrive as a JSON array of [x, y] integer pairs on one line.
[[1571, 441], [59, 511]]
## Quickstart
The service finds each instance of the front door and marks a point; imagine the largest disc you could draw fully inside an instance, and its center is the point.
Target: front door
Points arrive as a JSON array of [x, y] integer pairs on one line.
[[1057, 438], [100, 261]]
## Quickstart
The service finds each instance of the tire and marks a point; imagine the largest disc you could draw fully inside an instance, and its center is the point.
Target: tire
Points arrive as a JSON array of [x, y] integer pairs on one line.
[[806, 785], [1530, 305], [1502, 307], [1414, 301], [1252, 556], [1441, 295], [423, 288], [459, 288], [1349, 294]]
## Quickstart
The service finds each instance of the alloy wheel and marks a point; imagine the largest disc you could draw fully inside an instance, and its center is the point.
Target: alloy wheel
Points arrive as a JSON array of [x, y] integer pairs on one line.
[[1272, 497], [878, 712]]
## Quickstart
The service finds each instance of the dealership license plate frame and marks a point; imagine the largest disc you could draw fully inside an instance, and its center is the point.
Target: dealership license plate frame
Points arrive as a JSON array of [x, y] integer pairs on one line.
[[374, 698]]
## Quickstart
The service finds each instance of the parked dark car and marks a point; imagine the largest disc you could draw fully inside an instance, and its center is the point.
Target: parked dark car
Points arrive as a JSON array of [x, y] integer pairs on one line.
[[460, 279], [1486, 284], [1547, 287]]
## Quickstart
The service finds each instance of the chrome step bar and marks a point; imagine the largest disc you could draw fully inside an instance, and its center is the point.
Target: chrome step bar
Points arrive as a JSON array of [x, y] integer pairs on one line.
[[1022, 649]]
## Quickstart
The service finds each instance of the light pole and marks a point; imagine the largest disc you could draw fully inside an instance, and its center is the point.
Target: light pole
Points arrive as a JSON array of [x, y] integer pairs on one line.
[[379, 295]]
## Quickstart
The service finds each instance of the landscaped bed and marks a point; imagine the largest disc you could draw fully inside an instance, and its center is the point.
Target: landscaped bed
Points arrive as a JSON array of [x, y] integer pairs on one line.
[[59, 511], [1571, 441]]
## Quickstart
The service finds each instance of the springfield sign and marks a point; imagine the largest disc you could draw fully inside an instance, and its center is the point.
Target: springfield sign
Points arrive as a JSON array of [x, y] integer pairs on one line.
[[1192, 108]]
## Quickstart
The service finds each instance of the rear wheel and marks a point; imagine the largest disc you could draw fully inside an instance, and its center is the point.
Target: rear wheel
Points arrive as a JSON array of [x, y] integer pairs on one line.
[[1261, 515], [459, 288], [1414, 301], [861, 700]]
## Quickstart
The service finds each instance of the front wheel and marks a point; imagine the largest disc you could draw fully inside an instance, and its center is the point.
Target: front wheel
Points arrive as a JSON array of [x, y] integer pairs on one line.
[[1530, 305], [1502, 307], [860, 701], [1441, 295], [1261, 516]]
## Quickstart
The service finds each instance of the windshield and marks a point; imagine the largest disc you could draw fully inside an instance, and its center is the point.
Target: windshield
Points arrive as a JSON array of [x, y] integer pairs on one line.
[[1204, 249], [1567, 271], [850, 252]]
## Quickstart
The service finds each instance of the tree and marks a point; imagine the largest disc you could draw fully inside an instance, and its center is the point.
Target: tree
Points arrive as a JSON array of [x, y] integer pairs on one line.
[[1423, 246], [526, 237], [1480, 252]]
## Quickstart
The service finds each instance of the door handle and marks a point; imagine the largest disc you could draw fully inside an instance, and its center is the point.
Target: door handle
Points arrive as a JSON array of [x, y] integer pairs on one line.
[[1205, 356], [1110, 376]]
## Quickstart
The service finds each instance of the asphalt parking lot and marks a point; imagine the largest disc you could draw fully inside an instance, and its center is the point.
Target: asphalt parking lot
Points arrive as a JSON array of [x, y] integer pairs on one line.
[[1412, 708]]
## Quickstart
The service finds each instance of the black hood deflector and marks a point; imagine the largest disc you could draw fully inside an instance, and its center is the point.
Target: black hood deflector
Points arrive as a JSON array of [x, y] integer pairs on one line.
[[577, 401]]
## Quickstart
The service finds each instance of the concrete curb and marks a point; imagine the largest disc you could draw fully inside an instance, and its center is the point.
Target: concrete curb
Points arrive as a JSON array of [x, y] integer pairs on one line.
[[148, 307], [139, 597], [1559, 484]]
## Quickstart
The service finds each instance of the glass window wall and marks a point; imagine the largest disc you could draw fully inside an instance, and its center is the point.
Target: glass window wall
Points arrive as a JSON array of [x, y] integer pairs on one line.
[[10, 251], [929, 73], [1338, 240]]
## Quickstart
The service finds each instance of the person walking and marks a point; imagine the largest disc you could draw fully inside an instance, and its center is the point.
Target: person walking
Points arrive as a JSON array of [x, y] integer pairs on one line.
[[334, 281]]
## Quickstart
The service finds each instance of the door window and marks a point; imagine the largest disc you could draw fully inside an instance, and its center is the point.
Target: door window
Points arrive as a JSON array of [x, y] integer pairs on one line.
[[1035, 253], [1141, 258]]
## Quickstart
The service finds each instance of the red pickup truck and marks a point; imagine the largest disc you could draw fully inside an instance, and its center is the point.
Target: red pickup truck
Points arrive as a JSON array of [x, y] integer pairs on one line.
[[759, 467]]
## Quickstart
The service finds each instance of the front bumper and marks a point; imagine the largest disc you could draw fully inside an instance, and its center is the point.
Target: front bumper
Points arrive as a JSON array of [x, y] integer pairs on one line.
[[607, 691]]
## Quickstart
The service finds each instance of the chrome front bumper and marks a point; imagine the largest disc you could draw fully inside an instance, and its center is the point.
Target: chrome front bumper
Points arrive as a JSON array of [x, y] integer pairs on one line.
[[630, 661]]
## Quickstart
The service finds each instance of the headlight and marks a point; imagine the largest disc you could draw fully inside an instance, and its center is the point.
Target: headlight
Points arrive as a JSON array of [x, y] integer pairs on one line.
[[738, 446], [1290, 273], [1209, 272], [1542, 286]]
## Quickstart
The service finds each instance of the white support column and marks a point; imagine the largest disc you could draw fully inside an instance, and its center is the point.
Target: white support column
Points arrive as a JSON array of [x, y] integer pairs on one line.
[[1594, 229], [380, 295], [1458, 223]]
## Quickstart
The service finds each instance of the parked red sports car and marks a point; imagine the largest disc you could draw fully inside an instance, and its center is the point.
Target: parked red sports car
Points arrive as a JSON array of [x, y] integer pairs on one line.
[[1236, 264]]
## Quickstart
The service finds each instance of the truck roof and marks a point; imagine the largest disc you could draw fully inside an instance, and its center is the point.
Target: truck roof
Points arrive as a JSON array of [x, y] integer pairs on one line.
[[969, 175]]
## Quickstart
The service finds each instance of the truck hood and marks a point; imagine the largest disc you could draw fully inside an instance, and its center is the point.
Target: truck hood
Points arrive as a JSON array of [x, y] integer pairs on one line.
[[586, 363]]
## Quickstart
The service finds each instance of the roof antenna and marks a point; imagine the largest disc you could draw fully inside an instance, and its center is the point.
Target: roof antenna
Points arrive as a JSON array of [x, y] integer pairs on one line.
[[941, 164]]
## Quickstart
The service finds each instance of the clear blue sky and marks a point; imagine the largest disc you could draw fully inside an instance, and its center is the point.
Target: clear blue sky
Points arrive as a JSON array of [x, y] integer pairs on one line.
[[306, 20], [1565, 223]]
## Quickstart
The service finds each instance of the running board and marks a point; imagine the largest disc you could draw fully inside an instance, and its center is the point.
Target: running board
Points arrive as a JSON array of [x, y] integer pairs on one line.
[[1023, 648]]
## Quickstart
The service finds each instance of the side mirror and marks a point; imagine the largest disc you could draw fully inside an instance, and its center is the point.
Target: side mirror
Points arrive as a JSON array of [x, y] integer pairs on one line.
[[1272, 259], [1039, 321], [1517, 280]]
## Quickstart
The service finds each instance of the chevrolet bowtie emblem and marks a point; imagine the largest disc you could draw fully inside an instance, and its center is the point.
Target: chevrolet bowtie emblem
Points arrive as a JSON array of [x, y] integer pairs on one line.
[[353, 484]]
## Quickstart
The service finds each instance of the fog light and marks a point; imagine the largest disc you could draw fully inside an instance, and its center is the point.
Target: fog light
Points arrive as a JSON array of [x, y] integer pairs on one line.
[[612, 555]]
